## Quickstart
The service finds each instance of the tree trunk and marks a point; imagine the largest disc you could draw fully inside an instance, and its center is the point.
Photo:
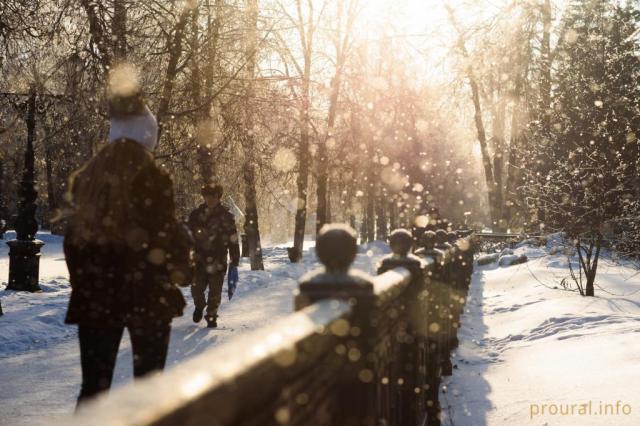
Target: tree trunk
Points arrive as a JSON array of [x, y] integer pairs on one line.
[[545, 67], [306, 29], [202, 120], [393, 214], [302, 181], [251, 206], [175, 52], [498, 161], [52, 200], [322, 159], [202, 135], [512, 164], [119, 31], [212, 65], [371, 202], [97, 32], [482, 139], [589, 264], [482, 136], [321, 189], [513, 200], [589, 289], [329, 213], [194, 45], [251, 224], [364, 226], [3, 203], [382, 231], [544, 112]]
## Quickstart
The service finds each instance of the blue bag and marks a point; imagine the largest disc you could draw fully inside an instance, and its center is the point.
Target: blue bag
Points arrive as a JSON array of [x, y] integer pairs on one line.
[[232, 281]]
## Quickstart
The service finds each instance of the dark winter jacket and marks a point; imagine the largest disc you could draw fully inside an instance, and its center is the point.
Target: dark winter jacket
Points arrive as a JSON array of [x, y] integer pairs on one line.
[[132, 281], [215, 235]]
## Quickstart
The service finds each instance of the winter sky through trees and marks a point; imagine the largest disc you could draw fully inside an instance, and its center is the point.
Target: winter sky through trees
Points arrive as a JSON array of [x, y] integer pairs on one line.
[[311, 111]]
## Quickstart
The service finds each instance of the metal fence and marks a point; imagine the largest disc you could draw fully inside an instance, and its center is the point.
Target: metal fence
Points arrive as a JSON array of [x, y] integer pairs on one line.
[[359, 350]]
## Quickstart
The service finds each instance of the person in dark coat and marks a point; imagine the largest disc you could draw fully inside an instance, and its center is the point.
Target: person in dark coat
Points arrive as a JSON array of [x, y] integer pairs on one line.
[[125, 250], [216, 238], [442, 240]]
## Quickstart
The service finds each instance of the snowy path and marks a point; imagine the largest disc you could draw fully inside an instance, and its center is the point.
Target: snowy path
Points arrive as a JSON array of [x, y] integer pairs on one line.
[[39, 356], [524, 345]]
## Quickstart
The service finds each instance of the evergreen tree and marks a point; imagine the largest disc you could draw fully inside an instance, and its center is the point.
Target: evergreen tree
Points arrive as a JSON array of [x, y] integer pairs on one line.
[[591, 148]]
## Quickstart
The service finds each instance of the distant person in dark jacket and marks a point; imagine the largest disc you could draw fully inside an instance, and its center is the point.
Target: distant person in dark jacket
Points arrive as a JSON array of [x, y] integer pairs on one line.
[[125, 250], [216, 238]]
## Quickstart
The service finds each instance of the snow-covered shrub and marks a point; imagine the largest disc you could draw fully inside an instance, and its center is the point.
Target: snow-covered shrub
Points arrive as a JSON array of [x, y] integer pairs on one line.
[[512, 259], [488, 259], [506, 252]]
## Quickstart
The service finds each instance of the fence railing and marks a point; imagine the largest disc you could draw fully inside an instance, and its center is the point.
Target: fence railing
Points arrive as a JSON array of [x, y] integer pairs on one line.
[[359, 350], [504, 235]]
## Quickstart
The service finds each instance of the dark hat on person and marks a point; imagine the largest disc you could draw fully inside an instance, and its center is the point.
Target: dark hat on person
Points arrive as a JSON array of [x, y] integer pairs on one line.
[[124, 92], [212, 189]]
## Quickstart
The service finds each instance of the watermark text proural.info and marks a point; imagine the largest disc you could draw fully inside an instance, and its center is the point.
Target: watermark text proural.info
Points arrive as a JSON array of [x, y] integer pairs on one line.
[[590, 408]]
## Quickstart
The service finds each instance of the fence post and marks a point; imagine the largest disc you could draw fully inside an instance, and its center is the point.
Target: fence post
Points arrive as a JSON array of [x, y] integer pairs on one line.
[[462, 269], [336, 248], [455, 299], [436, 327], [412, 357]]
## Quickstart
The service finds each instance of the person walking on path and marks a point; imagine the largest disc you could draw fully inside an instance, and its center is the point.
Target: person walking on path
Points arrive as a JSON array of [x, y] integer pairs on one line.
[[125, 250], [216, 238]]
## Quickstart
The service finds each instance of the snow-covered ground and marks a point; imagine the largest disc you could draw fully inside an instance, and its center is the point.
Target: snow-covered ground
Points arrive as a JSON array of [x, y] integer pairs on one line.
[[526, 347], [39, 355]]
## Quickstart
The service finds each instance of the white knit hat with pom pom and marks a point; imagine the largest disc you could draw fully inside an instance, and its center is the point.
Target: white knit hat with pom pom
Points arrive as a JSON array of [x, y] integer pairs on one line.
[[141, 128], [132, 119]]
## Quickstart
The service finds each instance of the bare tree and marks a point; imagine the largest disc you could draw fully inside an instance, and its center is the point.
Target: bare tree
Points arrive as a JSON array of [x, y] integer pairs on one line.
[[342, 41], [248, 142], [304, 21]]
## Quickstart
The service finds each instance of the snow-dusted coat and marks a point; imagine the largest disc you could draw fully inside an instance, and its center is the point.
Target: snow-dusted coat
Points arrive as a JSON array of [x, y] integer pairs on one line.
[[133, 280]]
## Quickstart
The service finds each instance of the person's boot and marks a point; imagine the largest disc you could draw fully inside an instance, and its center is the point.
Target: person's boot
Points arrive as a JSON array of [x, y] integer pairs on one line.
[[212, 322], [197, 315]]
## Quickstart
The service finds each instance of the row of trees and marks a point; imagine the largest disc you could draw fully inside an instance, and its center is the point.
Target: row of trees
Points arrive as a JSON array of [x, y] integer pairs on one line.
[[302, 109], [310, 111], [565, 77]]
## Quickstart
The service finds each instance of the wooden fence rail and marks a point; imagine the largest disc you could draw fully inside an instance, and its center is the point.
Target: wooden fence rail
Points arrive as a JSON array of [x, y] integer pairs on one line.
[[359, 350]]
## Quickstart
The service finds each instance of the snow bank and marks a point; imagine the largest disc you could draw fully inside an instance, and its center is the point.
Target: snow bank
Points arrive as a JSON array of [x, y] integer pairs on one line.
[[525, 344], [488, 259], [512, 259], [35, 321]]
